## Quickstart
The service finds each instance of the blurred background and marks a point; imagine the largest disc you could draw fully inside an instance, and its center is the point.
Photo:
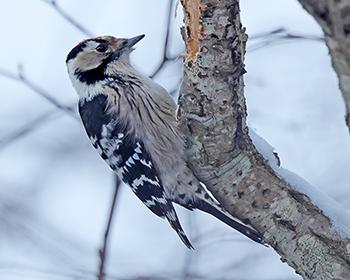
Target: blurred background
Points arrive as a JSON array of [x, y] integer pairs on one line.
[[55, 191]]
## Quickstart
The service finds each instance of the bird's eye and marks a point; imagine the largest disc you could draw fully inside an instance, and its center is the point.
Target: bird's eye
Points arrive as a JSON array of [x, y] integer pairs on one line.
[[101, 48]]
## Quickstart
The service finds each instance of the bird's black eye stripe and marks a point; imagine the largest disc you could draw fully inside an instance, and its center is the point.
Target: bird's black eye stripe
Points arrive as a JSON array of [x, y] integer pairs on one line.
[[102, 48], [80, 47]]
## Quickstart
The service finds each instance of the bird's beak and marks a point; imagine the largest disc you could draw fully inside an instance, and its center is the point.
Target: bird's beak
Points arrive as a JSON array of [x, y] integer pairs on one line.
[[134, 40], [129, 44]]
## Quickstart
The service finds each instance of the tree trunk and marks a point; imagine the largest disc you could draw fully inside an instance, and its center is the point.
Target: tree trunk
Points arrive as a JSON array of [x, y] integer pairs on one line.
[[223, 156]]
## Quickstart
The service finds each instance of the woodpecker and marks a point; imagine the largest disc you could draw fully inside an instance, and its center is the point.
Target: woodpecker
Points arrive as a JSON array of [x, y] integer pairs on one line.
[[130, 120]]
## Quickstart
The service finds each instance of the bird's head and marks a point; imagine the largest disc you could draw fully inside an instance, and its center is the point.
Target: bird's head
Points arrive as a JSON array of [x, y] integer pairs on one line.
[[90, 61]]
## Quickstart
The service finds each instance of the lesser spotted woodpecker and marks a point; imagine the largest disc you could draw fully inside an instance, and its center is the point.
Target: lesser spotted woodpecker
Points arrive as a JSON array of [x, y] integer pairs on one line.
[[130, 120]]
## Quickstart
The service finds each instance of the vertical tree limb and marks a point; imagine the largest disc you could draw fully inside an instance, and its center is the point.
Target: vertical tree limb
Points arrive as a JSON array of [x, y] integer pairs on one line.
[[334, 18]]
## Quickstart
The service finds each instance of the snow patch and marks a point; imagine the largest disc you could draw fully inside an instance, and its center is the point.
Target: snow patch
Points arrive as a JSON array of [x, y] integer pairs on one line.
[[339, 217]]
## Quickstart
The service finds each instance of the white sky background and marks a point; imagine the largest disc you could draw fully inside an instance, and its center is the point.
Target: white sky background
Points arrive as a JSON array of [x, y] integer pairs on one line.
[[55, 191]]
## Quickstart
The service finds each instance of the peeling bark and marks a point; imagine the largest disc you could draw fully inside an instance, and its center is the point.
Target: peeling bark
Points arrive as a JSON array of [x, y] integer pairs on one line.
[[334, 18], [192, 10], [223, 157]]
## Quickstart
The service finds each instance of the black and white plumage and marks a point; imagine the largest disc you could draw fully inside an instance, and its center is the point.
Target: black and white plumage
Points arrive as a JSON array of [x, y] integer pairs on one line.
[[130, 121]]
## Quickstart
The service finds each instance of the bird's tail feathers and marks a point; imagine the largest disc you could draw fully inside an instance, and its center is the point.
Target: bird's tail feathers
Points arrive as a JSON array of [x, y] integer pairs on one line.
[[173, 220], [235, 223], [205, 203]]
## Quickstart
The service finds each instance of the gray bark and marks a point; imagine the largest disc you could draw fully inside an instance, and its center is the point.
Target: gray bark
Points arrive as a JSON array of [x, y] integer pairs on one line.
[[223, 157], [334, 18]]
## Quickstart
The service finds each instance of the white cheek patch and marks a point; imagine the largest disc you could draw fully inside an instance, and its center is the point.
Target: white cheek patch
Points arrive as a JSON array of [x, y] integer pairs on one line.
[[85, 92]]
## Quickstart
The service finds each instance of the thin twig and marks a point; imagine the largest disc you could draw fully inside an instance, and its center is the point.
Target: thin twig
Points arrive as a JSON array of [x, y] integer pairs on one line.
[[5, 141], [20, 77], [166, 58], [285, 34], [102, 252], [69, 18], [278, 36], [30, 126]]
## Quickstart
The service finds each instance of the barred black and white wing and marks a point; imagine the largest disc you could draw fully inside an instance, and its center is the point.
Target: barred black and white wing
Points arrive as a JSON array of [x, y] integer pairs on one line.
[[127, 156]]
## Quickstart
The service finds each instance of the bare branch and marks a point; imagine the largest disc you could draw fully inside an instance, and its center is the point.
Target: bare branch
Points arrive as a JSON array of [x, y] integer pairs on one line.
[[20, 77], [30, 126], [278, 36], [285, 34], [334, 19], [166, 58], [102, 252], [7, 140], [69, 18]]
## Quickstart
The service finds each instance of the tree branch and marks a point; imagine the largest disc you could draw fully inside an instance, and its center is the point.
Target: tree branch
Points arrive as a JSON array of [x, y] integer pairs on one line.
[[69, 18], [334, 18], [103, 250], [278, 36], [20, 77], [27, 128], [30, 126], [165, 58], [223, 156]]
